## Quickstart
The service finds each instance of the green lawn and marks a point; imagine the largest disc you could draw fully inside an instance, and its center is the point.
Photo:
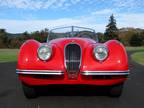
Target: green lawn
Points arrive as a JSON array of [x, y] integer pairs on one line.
[[138, 54], [8, 55], [135, 48], [138, 57]]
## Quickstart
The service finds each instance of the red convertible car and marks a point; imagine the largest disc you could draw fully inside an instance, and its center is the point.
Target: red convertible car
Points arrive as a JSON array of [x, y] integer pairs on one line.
[[72, 56]]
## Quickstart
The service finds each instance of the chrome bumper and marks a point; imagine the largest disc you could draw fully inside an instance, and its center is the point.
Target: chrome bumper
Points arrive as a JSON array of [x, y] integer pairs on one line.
[[40, 72], [125, 73], [59, 72]]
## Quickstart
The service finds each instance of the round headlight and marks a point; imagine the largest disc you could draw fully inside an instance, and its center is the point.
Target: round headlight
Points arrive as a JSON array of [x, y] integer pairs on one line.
[[100, 52], [44, 52]]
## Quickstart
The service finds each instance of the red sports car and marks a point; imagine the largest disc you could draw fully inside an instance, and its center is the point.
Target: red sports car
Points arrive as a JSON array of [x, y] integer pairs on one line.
[[72, 56]]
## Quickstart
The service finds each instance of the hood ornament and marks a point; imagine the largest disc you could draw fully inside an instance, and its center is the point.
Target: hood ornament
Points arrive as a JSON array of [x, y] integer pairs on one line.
[[73, 41]]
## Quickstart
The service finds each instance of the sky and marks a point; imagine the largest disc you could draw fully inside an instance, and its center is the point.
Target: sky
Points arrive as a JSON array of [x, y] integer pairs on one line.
[[17, 16]]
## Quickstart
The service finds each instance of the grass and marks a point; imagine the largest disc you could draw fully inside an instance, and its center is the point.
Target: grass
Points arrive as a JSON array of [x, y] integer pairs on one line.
[[135, 48], [138, 57], [8, 55]]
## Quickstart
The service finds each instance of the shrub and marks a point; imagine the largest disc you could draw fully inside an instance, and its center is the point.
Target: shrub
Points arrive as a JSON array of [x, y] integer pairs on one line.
[[136, 40]]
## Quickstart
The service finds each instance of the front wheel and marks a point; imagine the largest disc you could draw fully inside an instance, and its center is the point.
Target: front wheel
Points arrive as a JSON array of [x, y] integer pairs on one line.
[[116, 91], [29, 91]]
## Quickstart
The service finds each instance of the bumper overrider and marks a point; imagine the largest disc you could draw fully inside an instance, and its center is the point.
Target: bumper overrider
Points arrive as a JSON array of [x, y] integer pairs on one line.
[[44, 77]]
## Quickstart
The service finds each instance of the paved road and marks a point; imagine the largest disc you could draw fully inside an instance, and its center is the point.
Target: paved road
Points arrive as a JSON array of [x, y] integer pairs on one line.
[[11, 95]]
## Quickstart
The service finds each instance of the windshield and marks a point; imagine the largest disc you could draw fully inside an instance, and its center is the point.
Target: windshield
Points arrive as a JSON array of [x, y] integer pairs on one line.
[[72, 31]]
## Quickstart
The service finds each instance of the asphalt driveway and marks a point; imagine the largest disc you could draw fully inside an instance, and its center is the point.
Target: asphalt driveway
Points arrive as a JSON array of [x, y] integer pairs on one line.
[[11, 95]]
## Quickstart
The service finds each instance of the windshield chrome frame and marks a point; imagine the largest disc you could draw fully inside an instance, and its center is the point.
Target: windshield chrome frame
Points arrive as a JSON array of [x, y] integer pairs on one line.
[[72, 30]]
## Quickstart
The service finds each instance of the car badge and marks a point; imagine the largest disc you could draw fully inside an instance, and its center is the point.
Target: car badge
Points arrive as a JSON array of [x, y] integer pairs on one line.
[[73, 41]]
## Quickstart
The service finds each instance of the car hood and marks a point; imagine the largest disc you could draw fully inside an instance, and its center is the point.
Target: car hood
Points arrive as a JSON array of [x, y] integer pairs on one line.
[[62, 42]]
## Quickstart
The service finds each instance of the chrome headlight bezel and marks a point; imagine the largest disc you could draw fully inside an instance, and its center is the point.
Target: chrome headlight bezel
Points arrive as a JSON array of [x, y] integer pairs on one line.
[[46, 54], [98, 51]]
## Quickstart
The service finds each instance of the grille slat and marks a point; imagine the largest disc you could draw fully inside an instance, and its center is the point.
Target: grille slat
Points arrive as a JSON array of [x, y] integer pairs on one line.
[[73, 58]]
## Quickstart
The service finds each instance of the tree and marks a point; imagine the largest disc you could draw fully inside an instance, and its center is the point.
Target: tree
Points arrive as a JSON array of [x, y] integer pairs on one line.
[[111, 29], [14, 43], [40, 36], [3, 38], [142, 37], [136, 40], [126, 36], [100, 36]]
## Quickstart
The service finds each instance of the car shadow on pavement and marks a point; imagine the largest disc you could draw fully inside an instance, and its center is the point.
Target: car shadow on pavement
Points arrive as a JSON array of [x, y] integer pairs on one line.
[[71, 90]]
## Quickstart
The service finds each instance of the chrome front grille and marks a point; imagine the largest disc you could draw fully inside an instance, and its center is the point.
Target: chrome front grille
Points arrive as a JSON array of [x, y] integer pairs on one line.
[[72, 59]]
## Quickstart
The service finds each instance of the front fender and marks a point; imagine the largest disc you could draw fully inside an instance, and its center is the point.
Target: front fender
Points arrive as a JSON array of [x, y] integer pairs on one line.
[[117, 58], [29, 60]]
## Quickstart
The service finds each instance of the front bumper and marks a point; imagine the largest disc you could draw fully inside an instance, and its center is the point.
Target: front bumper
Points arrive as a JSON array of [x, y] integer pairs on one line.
[[40, 72], [125, 73], [104, 78]]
